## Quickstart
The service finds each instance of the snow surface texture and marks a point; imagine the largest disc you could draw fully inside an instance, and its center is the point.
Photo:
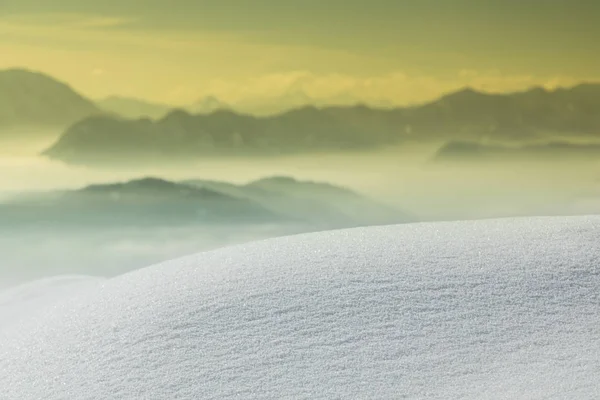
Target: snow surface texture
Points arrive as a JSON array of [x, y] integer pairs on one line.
[[24, 300], [498, 309]]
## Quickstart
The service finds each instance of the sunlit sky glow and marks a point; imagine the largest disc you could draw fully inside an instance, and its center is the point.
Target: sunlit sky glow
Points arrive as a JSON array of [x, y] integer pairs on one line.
[[399, 51]]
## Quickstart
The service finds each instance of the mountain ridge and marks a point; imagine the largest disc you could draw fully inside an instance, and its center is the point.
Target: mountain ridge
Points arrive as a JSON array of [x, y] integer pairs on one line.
[[152, 200], [97, 137], [463, 115], [557, 151]]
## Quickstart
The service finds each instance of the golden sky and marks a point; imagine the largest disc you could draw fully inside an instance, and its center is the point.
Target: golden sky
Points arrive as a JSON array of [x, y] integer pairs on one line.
[[400, 51]]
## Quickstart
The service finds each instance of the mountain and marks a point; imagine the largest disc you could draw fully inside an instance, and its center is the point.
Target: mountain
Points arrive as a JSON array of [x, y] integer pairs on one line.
[[298, 98], [458, 151], [133, 108], [316, 202], [272, 105], [465, 115], [33, 99], [181, 136], [148, 201], [154, 201], [207, 105], [529, 114]]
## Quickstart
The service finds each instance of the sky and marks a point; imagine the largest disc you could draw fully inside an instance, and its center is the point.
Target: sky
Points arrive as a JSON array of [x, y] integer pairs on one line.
[[392, 51]]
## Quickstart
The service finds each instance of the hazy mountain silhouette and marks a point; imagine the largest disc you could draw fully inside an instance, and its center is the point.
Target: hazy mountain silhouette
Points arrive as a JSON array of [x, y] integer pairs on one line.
[[317, 202], [33, 99], [297, 98], [181, 136], [466, 115], [272, 105], [133, 108], [527, 114], [458, 151], [208, 104], [157, 202], [148, 201]]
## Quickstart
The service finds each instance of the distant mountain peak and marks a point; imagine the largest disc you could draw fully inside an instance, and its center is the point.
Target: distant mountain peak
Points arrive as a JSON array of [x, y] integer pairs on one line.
[[177, 114], [466, 93], [276, 179], [26, 73], [362, 106], [207, 105], [146, 183], [306, 111], [36, 99], [151, 181], [283, 181], [131, 107], [32, 78], [466, 90], [208, 100], [538, 89]]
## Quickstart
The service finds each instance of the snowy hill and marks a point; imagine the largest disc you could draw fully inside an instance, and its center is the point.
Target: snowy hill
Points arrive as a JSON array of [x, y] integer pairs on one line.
[[26, 299], [497, 309]]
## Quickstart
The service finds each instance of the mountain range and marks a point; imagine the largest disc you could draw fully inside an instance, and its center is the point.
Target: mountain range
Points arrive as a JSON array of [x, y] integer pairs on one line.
[[467, 115], [133, 108], [95, 134], [158, 202], [458, 151]]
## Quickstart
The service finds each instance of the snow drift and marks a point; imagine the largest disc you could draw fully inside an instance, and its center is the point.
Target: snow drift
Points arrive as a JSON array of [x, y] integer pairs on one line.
[[24, 300], [488, 309]]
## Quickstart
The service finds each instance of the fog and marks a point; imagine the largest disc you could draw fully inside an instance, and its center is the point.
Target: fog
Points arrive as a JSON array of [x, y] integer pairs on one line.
[[31, 254], [405, 177], [369, 170]]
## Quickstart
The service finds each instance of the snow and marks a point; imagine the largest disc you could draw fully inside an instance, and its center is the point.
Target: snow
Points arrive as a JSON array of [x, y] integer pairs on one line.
[[24, 300], [476, 310]]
